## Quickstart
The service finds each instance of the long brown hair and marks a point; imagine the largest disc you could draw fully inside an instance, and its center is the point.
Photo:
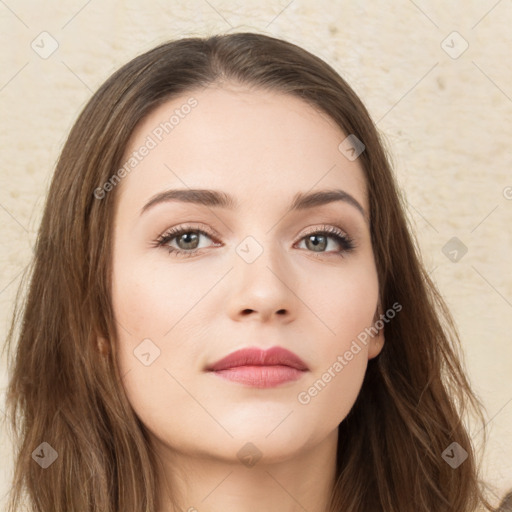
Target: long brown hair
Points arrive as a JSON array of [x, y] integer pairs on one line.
[[415, 398]]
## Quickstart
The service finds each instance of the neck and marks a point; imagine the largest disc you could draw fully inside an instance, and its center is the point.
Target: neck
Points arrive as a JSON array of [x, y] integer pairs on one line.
[[303, 481]]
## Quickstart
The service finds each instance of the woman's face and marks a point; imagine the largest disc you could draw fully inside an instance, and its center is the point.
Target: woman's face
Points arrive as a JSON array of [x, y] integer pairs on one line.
[[249, 270]]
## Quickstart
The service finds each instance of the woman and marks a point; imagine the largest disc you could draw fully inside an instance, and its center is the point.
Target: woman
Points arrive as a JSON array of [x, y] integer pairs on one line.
[[227, 310]]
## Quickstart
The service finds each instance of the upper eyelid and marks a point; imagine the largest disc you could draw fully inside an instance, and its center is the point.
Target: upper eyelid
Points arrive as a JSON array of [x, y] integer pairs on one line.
[[330, 229], [186, 227]]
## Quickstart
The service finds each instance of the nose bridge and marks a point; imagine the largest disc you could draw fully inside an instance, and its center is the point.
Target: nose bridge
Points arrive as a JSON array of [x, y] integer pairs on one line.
[[260, 257], [262, 276]]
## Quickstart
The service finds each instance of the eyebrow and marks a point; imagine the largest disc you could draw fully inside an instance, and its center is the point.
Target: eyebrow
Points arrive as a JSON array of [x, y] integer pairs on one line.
[[214, 198]]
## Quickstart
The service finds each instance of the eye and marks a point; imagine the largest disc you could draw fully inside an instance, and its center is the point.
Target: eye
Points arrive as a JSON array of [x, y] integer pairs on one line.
[[187, 240], [318, 240], [184, 241]]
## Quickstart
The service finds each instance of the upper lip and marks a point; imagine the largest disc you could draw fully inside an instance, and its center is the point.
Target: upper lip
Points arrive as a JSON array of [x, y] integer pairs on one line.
[[258, 357]]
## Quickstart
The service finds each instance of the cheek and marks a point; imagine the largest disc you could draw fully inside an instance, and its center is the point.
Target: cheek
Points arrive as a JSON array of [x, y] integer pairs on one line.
[[161, 325], [331, 392], [153, 309], [343, 302], [344, 307], [152, 301]]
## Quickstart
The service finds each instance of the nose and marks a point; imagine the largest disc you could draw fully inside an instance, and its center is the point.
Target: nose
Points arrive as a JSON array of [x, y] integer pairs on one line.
[[263, 290]]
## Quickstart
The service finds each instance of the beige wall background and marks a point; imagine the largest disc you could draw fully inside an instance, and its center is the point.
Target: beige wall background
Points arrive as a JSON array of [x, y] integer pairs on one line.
[[436, 77]]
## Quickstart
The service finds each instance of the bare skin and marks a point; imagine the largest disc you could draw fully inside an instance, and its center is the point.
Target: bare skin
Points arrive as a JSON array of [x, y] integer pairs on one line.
[[262, 148]]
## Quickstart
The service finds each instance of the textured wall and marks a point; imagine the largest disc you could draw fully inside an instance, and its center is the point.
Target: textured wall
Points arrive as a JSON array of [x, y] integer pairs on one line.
[[443, 101]]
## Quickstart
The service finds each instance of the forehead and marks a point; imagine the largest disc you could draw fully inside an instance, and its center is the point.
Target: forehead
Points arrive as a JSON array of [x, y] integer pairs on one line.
[[253, 143]]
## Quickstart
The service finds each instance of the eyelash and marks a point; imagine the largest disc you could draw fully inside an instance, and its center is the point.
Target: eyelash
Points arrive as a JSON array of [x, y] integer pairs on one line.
[[345, 241]]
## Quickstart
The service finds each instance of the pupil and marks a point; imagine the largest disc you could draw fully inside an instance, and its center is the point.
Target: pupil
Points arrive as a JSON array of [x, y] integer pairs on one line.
[[316, 243], [188, 238]]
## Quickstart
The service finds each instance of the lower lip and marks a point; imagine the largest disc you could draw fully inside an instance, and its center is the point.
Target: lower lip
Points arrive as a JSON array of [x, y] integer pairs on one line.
[[260, 376]]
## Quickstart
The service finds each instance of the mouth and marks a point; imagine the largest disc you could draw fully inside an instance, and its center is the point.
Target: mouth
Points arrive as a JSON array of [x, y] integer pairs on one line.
[[259, 368]]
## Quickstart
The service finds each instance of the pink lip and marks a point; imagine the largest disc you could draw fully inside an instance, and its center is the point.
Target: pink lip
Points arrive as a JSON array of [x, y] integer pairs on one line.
[[259, 368]]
